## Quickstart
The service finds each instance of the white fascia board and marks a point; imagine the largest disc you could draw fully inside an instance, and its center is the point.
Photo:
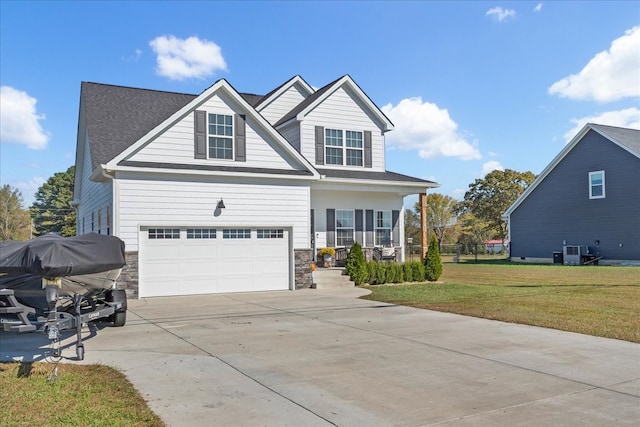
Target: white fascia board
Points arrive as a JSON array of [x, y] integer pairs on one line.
[[507, 214], [221, 84], [405, 188], [233, 174], [100, 174], [347, 80], [297, 79]]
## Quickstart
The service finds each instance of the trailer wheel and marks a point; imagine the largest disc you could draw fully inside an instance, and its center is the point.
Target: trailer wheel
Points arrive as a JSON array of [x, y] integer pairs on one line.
[[80, 352], [119, 318]]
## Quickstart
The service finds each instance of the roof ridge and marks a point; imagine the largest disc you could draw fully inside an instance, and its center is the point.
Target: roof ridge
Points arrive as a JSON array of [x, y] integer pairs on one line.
[[138, 88]]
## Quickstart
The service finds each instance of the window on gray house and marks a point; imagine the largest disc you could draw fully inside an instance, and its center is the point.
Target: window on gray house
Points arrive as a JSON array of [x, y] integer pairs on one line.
[[220, 136], [596, 185]]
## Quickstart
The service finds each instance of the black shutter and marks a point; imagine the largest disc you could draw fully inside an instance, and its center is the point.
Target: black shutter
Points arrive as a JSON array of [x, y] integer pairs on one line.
[[200, 134], [368, 224], [331, 228], [359, 227], [395, 216], [240, 137], [319, 145], [367, 149]]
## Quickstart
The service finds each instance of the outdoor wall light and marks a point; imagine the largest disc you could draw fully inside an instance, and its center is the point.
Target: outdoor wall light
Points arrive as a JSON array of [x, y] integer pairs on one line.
[[220, 205]]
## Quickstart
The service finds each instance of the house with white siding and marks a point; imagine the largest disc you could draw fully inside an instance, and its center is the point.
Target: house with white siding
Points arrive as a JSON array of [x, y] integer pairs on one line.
[[229, 192]]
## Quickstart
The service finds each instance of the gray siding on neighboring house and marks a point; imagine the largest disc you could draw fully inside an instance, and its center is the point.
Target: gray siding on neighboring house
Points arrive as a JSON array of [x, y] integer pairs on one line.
[[559, 209]]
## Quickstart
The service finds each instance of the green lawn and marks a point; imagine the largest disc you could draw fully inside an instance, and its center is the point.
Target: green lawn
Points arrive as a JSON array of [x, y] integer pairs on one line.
[[82, 395], [597, 300]]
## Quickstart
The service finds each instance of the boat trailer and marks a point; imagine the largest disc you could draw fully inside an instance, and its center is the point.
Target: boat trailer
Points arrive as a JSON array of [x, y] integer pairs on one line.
[[17, 317]]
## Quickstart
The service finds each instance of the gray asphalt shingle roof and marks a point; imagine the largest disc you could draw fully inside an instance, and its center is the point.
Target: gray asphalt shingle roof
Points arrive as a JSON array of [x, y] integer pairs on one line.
[[117, 116], [630, 138], [371, 175]]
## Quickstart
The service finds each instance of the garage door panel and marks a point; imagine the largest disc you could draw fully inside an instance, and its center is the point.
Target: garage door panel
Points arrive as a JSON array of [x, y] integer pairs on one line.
[[182, 266]]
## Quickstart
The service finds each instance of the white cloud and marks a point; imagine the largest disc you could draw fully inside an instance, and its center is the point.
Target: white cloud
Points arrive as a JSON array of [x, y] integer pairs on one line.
[[538, 7], [19, 121], [627, 118], [427, 128], [501, 14], [180, 59], [490, 166], [135, 56], [609, 76]]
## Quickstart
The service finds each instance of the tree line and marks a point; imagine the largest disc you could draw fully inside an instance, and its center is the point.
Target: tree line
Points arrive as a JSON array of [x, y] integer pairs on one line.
[[478, 217], [49, 213]]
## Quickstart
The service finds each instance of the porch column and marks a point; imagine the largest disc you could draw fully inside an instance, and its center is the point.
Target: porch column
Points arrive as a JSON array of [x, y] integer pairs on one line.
[[424, 244]]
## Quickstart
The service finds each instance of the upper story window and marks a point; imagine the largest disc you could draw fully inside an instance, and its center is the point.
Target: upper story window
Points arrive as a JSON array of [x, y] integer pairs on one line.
[[220, 136], [343, 147], [596, 185], [383, 228], [344, 227]]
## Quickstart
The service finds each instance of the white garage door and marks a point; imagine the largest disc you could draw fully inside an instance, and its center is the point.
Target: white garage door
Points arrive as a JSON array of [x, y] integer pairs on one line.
[[187, 261]]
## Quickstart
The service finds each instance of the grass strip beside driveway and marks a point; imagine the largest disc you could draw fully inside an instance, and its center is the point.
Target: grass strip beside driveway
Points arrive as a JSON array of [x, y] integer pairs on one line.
[[82, 395], [598, 300]]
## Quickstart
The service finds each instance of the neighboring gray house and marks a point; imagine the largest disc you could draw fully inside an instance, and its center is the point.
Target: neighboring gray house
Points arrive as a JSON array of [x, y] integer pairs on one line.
[[588, 198], [229, 192]]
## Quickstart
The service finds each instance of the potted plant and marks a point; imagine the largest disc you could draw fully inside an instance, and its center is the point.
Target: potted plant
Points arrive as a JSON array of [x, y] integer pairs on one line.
[[327, 255]]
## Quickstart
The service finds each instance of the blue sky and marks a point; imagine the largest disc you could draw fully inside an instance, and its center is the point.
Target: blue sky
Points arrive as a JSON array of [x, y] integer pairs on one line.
[[470, 86]]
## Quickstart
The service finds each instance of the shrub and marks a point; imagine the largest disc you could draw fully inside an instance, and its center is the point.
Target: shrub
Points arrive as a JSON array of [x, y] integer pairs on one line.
[[356, 265], [381, 273], [389, 272], [398, 273], [407, 271], [372, 278], [418, 271], [432, 262]]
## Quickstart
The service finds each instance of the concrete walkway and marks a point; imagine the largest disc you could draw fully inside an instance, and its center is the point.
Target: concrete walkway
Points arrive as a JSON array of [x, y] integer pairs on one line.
[[325, 357]]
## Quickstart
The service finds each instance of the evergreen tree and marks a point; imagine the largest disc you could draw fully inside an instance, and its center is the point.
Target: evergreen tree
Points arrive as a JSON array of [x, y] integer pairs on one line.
[[432, 262], [356, 265], [51, 211]]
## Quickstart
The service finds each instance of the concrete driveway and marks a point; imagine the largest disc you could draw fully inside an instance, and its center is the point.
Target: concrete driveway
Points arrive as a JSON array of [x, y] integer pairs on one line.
[[324, 357]]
